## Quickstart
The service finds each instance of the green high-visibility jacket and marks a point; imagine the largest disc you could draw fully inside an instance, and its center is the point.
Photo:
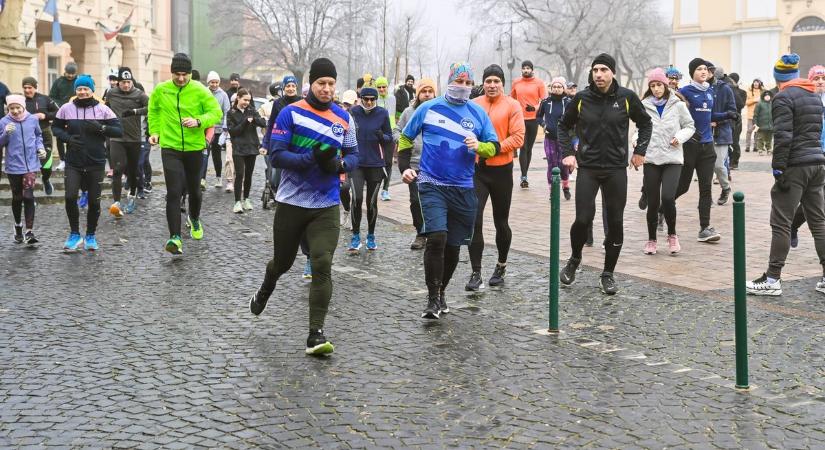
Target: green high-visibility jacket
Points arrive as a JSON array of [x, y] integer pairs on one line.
[[170, 104]]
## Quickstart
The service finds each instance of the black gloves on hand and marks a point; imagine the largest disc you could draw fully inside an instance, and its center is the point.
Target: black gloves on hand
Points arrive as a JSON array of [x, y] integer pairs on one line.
[[733, 116], [379, 135], [330, 165], [92, 126], [530, 108], [323, 155], [129, 113]]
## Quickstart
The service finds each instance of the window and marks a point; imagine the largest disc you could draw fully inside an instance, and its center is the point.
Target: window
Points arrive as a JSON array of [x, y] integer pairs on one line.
[[761, 9], [52, 70], [689, 12], [153, 6], [809, 23]]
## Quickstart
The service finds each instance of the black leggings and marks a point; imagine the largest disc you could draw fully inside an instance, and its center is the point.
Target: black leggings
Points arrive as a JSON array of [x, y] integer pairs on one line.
[[372, 177], [531, 128], [613, 183], [388, 155], [88, 179], [702, 158], [181, 171], [344, 186], [495, 183], [214, 149], [244, 166], [440, 261], [124, 157], [22, 196], [660, 183]]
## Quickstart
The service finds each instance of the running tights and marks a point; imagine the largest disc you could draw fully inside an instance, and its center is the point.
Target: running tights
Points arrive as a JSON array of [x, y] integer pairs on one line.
[[88, 179], [660, 183], [124, 158], [388, 155], [702, 158], [181, 171], [372, 178], [440, 261], [613, 183], [531, 128], [244, 166], [495, 183], [22, 197]]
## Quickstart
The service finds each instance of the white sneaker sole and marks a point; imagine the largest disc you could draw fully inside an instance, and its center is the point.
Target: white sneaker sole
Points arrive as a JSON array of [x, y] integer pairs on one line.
[[765, 292], [709, 239]]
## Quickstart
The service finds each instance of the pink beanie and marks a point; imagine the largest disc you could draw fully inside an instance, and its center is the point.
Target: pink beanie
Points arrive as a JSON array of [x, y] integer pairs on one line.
[[657, 74], [559, 80], [16, 99], [816, 70]]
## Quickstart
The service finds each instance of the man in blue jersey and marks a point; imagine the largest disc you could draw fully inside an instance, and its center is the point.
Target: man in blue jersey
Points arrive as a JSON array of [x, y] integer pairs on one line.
[[306, 140], [455, 134]]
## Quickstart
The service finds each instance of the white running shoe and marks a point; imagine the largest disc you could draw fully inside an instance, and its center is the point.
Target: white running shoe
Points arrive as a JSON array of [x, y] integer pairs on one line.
[[763, 286]]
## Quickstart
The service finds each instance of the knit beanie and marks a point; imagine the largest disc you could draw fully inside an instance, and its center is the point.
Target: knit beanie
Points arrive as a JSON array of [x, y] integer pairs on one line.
[[694, 64], [30, 81], [425, 82], [71, 67], [719, 73], [526, 63], [815, 71], [461, 70], [84, 80], [493, 70], [409, 78], [369, 92], [234, 77], [125, 73], [381, 82], [735, 77], [181, 63], [322, 67], [673, 72], [786, 68], [605, 59], [213, 76], [657, 74], [16, 99], [558, 80], [289, 79]]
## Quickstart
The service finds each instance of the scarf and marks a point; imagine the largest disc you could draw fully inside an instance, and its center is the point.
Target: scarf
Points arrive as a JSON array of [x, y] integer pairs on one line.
[[658, 101], [458, 95], [315, 103], [85, 102], [701, 86]]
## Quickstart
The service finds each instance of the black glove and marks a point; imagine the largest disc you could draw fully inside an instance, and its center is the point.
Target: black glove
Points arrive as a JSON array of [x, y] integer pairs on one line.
[[75, 141], [734, 116], [530, 108], [92, 126], [322, 156], [129, 113], [330, 165], [779, 180], [379, 135]]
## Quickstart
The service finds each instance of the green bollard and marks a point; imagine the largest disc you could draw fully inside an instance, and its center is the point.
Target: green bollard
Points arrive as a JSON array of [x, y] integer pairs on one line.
[[555, 213], [740, 295]]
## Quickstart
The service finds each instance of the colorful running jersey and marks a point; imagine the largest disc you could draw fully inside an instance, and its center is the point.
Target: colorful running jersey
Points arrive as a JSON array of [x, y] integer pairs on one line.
[[445, 159], [301, 127]]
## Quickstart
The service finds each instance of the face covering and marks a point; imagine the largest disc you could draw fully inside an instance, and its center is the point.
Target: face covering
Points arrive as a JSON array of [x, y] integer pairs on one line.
[[315, 103], [458, 95], [368, 109]]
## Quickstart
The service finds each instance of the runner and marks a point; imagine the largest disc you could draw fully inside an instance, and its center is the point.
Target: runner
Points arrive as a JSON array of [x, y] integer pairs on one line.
[[306, 139], [179, 113], [129, 104], [213, 82], [44, 109], [672, 127], [387, 101], [21, 135], [61, 92], [493, 177], [243, 122], [455, 131], [425, 91], [601, 114], [529, 90], [723, 115], [674, 76], [550, 112], [571, 89], [85, 124]]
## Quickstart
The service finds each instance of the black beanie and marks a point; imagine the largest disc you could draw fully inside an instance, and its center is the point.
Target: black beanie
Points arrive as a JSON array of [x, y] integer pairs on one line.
[[605, 59], [30, 81], [181, 63], [524, 63], [125, 73], [493, 70], [409, 78], [735, 77], [694, 64], [196, 75], [322, 67]]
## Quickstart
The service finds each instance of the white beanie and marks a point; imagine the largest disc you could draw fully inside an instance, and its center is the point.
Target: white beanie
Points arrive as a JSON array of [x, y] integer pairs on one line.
[[213, 76]]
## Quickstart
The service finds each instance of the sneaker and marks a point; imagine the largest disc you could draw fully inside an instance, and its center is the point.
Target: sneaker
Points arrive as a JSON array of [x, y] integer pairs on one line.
[[148, 186], [141, 195], [433, 309], [794, 238], [566, 192], [30, 239], [317, 343], [247, 205], [474, 283], [116, 210], [608, 284], [498, 276], [355, 243], [643, 201], [60, 166], [218, 183], [723, 197], [307, 270], [568, 273], [385, 196], [131, 204], [524, 183], [238, 208], [230, 187], [371, 244], [110, 173], [443, 307], [73, 242], [708, 235], [660, 225], [820, 285], [257, 303], [83, 201], [48, 187], [763, 286], [650, 248], [91, 243], [18, 234], [195, 228], [418, 243], [174, 245], [203, 184], [673, 244]]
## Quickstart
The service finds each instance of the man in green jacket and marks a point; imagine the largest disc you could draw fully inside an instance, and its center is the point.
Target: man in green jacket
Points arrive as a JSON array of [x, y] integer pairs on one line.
[[61, 92], [180, 112]]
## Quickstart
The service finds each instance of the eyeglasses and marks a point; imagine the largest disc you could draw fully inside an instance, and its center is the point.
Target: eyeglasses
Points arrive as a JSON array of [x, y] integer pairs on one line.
[[382, 87], [367, 99]]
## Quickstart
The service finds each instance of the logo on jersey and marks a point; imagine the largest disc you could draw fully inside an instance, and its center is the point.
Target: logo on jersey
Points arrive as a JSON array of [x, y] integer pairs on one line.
[[337, 129], [616, 105], [467, 124]]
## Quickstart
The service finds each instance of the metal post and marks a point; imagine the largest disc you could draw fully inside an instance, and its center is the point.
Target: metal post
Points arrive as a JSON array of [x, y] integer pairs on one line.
[[555, 225], [740, 295]]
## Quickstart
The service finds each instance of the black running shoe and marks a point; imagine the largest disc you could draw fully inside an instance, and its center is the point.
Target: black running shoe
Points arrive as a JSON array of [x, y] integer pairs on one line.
[[18, 234], [433, 310], [318, 344], [48, 187], [723, 197], [608, 284], [643, 201], [148, 186], [475, 282], [568, 274], [566, 192], [442, 304], [498, 276], [29, 239], [257, 303]]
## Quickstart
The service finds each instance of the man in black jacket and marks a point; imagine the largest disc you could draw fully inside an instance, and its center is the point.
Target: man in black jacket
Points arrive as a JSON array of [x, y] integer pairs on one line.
[[739, 96], [799, 171], [404, 96], [45, 109], [599, 116]]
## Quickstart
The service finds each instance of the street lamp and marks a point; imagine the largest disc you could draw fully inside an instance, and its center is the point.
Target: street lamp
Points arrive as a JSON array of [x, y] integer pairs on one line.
[[511, 61]]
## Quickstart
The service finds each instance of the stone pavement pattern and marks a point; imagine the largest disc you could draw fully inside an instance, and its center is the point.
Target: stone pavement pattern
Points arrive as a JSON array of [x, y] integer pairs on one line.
[[130, 347]]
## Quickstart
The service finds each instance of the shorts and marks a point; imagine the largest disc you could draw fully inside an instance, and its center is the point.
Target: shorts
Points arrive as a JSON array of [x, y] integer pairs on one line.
[[448, 208]]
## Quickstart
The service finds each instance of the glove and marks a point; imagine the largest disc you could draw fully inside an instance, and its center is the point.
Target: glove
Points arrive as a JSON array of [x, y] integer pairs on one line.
[[41, 154], [379, 135], [262, 151], [92, 126], [322, 156], [129, 113], [733, 116], [779, 180], [330, 165], [530, 108]]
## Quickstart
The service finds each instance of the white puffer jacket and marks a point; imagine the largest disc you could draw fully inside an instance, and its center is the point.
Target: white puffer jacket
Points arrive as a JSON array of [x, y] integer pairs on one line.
[[675, 122]]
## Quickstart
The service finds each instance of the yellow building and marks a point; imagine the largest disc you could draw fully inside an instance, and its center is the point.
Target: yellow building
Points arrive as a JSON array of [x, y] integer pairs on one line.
[[748, 36]]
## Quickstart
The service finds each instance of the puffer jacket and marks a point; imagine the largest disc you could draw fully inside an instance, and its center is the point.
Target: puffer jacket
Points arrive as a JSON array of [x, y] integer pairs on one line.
[[120, 102], [762, 115], [797, 126], [724, 106], [675, 122], [21, 144]]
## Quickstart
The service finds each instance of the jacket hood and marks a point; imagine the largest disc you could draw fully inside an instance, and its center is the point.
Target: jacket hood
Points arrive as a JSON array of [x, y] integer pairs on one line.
[[22, 117], [803, 83]]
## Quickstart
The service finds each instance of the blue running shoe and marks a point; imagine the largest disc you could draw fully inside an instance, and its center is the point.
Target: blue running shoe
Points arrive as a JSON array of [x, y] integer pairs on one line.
[[83, 201], [308, 270], [355, 243], [371, 245], [131, 204], [385, 196], [91, 243], [73, 242]]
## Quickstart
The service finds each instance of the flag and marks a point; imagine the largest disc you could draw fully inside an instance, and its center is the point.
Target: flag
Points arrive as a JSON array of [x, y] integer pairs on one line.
[[51, 9], [2, 5], [109, 33]]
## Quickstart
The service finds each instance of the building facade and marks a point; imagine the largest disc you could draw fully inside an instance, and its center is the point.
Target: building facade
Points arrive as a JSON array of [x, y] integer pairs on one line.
[[748, 36]]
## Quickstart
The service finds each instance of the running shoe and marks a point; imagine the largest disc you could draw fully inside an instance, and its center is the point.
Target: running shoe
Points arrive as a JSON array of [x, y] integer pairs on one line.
[[203, 184], [608, 284], [148, 186], [218, 183], [498, 276], [308, 270], [60, 166], [723, 197], [474, 283], [708, 235], [355, 243], [83, 201], [174, 245], [110, 173], [141, 195], [131, 204], [229, 187], [195, 228], [371, 244], [524, 183], [673, 244], [568, 274], [18, 234], [238, 208], [650, 248], [91, 243], [385, 195], [764, 286], [794, 238], [48, 187], [418, 243], [643, 201], [820, 285], [30, 239], [318, 344], [443, 307], [116, 210], [433, 309], [247, 205], [73, 242], [257, 304], [566, 192]]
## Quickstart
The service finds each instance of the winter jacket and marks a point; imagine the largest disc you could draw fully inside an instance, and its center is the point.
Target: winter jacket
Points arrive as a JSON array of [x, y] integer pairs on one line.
[[674, 122], [223, 101], [797, 126], [42, 104], [388, 103], [21, 144], [4, 91], [529, 92], [404, 96], [418, 143], [724, 107], [505, 113], [550, 112], [85, 130], [600, 121], [700, 104], [371, 148], [822, 96], [120, 102], [762, 116], [754, 97], [170, 104], [277, 106], [62, 90], [244, 133]]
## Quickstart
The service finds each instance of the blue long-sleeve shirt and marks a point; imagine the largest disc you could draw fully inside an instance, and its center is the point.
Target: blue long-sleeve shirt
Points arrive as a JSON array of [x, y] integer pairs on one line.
[[370, 148], [700, 104]]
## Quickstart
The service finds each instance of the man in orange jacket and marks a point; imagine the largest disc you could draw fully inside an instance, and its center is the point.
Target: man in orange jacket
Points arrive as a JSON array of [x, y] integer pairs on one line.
[[493, 177], [529, 90]]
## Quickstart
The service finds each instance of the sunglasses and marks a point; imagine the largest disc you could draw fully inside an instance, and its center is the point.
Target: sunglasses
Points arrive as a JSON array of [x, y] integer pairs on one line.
[[368, 99]]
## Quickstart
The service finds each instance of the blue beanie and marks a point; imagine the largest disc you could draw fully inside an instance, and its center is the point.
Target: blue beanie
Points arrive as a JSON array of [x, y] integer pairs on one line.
[[84, 80], [369, 92], [289, 79]]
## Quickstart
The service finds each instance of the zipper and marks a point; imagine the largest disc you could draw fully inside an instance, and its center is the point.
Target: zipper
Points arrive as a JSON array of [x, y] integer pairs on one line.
[[180, 119], [25, 150]]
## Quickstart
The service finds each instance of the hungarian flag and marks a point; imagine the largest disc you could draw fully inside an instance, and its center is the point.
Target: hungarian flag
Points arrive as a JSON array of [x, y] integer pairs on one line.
[[110, 34]]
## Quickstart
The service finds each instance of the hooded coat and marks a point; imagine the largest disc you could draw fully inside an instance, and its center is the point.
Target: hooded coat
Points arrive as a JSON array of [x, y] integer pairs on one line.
[[674, 122], [21, 144]]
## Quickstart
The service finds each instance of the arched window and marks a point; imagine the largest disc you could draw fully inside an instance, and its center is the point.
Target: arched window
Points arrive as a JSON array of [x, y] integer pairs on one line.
[[809, 23]]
